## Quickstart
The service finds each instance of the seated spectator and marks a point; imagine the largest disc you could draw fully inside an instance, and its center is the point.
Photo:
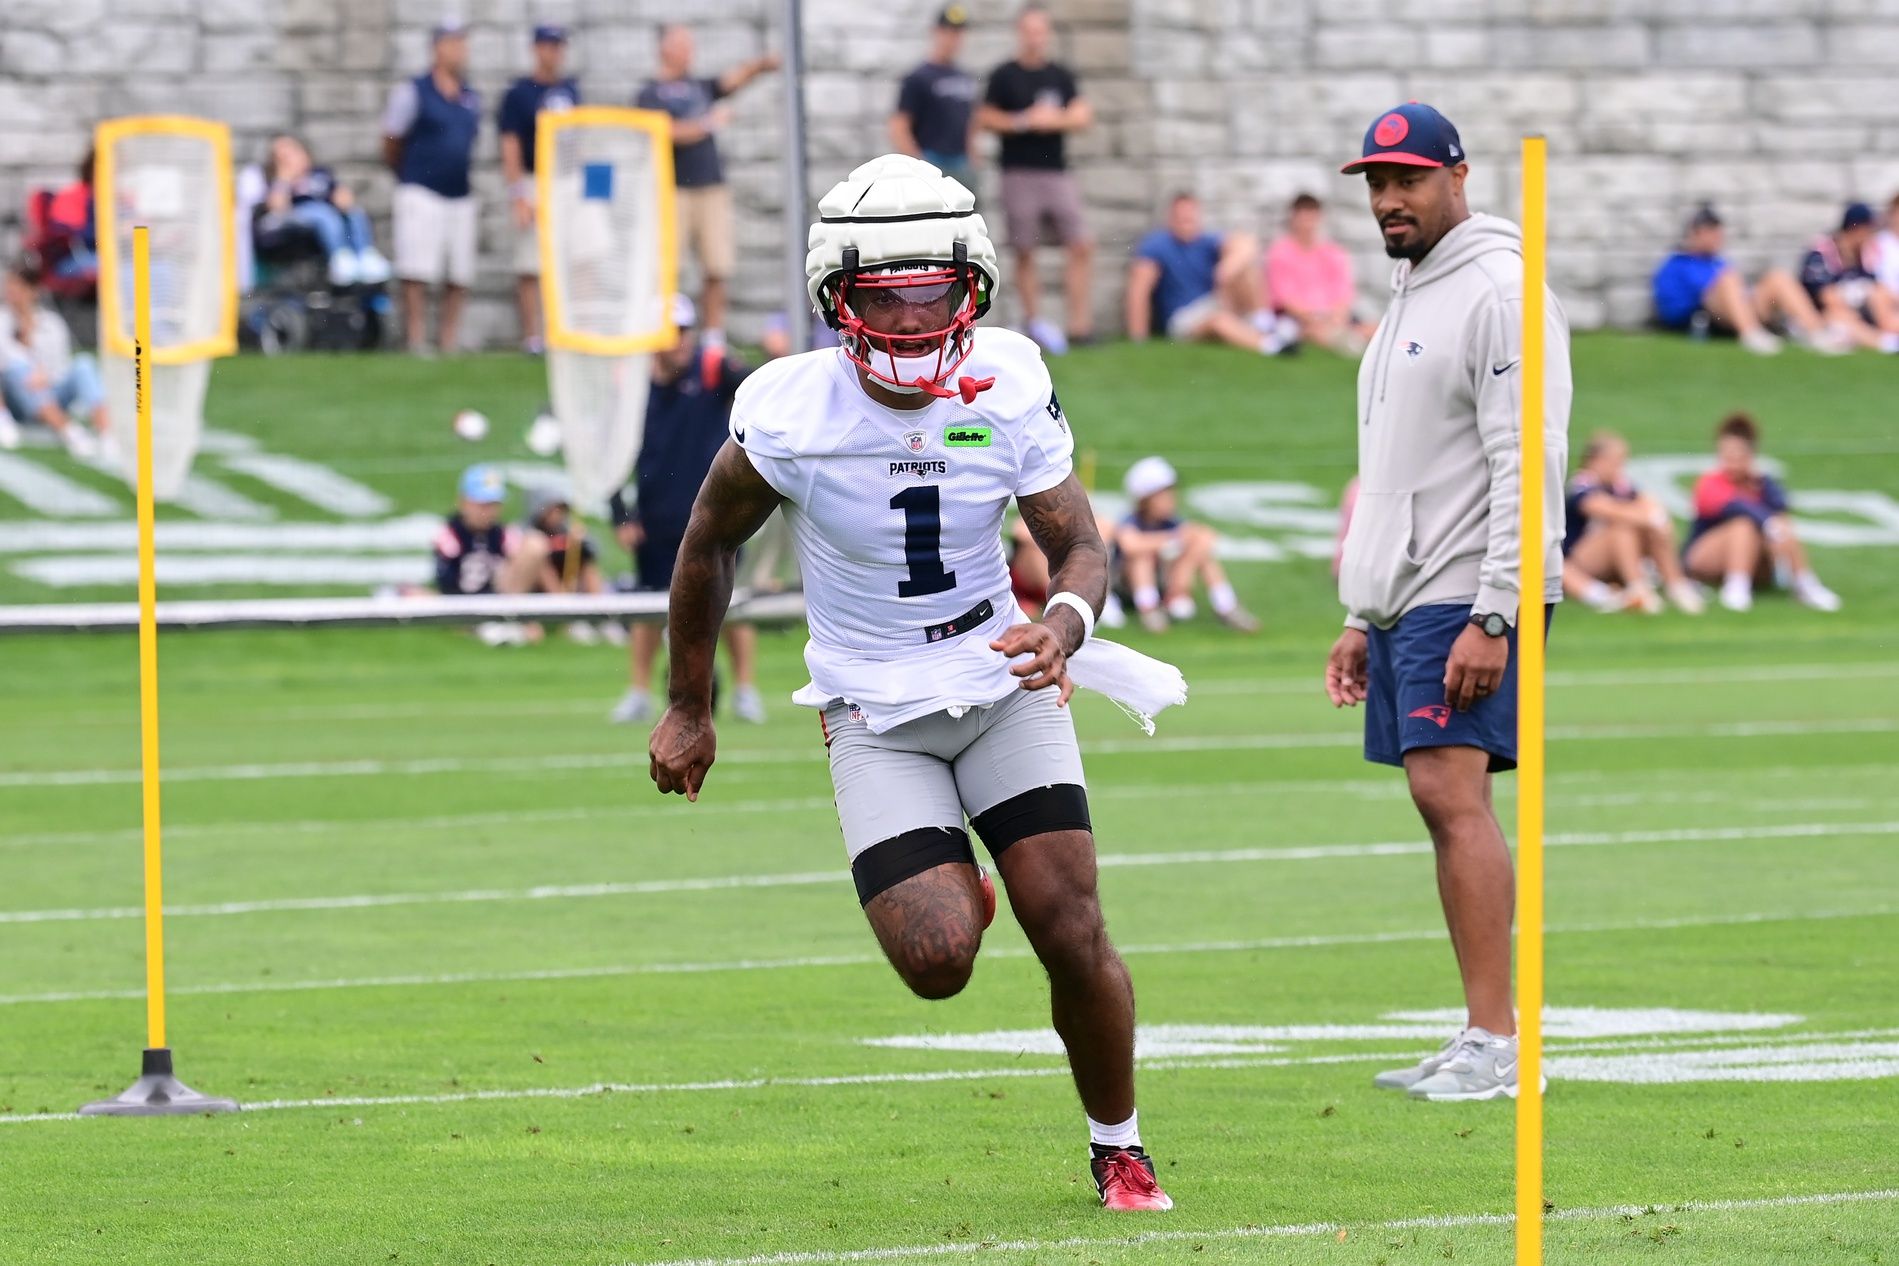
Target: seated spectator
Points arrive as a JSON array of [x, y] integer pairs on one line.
[[1309, 278], [1743, 535], [1842, 287], [301, 193], [1198, 286], [1152, 536], [1028, 573], [1882, 253], [1696, 289], [42, 379], [475, 552], [569, 562], [1615, 533]]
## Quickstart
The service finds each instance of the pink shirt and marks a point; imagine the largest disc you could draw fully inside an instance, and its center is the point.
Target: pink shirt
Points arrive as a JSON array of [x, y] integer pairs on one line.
[[1316, 280]]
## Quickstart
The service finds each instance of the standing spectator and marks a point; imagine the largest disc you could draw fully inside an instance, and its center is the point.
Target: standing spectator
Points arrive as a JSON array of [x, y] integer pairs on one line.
[[1309, 278], [1032, 103], [1154, 536], [1882, 253], [302, 193], [1198, 286], [1696, 289], [688, 415], [1431, 575], [41, 378], [429, 129], [1743, 535], [936, 105], [1615, 533], [1842, 287], [704, 199], [548, 88]]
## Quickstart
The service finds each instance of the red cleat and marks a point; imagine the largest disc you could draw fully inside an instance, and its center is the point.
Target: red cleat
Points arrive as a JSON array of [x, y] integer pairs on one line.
[[1125, 1178], [988, 897]]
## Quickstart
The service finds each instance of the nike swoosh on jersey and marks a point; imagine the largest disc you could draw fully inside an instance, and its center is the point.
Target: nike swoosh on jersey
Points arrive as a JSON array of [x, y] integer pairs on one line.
[[738, 433], [1498, 371]]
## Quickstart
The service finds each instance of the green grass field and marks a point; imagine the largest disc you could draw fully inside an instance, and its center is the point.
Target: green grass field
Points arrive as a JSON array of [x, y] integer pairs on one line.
[[490, 1000]]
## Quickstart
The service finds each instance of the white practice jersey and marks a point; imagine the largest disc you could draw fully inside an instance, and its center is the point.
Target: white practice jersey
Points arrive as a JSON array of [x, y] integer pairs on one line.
[[897, 520]]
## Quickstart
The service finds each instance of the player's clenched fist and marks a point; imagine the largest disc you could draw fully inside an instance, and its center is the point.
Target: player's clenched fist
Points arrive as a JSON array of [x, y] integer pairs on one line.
[[1047, 664], [1345, 670], [682, 749]]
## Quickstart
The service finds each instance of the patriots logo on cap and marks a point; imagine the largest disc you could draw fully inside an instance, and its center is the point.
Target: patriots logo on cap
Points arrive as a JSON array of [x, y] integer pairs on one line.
[[1391, 129], [1414, 349]]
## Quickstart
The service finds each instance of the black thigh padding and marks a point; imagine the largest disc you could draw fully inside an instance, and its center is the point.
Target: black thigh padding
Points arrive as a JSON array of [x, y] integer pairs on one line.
[[1061, 807], [888, 863]]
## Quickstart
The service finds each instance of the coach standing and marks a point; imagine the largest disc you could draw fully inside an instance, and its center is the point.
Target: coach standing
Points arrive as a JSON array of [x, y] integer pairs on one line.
[[1430, 575], [429, 129]]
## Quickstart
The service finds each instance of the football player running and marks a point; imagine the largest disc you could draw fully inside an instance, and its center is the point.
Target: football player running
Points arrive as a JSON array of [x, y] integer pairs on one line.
[[893, 458]]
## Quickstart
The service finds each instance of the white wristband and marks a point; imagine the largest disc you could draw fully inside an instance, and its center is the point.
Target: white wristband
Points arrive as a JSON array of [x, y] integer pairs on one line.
[[1076, 603]]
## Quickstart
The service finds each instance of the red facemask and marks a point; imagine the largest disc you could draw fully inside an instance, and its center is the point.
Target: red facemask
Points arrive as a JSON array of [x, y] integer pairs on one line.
[[891, 325]]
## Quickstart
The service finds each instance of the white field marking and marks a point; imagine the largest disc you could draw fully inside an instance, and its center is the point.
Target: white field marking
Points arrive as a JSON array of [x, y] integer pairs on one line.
[[1098, 747], [1816, 1061], [70, 570], [1285, 1231], [796, 879], [209, 499], [1736, 675], [746, 1083], [1362, 789], [1597, 1022], [318, 485], [862, 960], [42, 536], [46, 491]]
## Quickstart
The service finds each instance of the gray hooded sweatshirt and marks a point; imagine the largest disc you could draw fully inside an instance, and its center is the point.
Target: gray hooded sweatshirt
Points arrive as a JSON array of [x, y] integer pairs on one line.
[[1439, 464]]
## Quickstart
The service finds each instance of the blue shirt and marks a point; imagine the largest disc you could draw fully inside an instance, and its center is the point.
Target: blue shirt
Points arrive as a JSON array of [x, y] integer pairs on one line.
[[439, 142], [1679, 284], [526, 98], [695, 165], [1186, 270]]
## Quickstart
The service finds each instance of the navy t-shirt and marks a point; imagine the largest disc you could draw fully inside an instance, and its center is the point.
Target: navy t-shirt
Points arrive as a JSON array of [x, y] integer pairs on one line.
[[1582, 485], [1014, 87], [527, 97], [939, 100], [688, 100], [1186, 270]]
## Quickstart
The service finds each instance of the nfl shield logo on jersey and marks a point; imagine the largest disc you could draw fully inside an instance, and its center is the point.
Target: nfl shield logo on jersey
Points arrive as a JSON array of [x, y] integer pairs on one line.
[[915, 440]]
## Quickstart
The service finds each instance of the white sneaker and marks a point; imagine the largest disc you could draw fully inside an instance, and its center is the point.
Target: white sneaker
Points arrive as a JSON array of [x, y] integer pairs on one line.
[[1181, 609], [1050, 336], [1480, 1065], [1737, 593], [82, 444], [635, 708], [1760, 342], [343, 268], [1605, 598], [1809, 592], [581, 633], [1645, 600], [9, 432], [372, 269], [1830, 341], [502, 633], [1686, 595], [1405, 1078], [748, 705], [612, 632]]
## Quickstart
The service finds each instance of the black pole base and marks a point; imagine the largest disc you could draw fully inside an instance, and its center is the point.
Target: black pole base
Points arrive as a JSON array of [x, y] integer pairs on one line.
[[158, 1094]]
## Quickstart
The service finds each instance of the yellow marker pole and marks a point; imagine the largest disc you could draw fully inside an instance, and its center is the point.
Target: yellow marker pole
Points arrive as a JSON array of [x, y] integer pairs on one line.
[[157, 1092], [148, 639], [1530, 630]]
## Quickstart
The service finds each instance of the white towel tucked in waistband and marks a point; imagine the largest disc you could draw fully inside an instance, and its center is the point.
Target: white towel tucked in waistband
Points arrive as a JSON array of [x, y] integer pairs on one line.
[[1140, 685]]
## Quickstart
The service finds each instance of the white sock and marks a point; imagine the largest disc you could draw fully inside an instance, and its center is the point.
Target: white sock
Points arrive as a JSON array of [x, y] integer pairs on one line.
[[1146, 598], [1223, 598], [1181, 608], [1597, 592], [1739, 579], [1269, 345], [1126, 1134]]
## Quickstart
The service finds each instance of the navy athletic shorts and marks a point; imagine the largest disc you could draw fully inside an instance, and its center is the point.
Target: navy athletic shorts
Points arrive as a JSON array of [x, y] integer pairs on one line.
[[1404, 705]]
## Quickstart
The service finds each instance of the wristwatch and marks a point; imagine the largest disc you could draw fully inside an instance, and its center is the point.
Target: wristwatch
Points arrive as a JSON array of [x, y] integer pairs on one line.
[[1492, 624]]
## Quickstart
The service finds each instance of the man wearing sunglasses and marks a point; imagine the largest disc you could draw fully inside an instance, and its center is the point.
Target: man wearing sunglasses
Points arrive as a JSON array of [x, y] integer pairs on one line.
[[893, 457]]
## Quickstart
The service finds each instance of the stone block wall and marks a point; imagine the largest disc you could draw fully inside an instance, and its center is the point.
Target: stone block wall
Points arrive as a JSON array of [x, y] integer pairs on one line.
[[1776, 109]]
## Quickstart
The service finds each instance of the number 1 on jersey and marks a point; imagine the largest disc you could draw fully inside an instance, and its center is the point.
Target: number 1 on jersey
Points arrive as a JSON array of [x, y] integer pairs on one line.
[[923, 542]]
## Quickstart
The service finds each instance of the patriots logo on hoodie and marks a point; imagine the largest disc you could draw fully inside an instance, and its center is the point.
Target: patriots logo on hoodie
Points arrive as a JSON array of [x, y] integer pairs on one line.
[[1414, 349]]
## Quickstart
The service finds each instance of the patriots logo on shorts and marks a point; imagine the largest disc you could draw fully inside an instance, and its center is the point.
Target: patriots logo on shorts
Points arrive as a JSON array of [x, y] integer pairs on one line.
[[916, 440], [1414, 349], [1436, 712]]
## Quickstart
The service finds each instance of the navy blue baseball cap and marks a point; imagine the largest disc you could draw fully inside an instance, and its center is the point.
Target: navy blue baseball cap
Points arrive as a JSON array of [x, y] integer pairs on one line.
[[1413, 135], [1856, 216], [550, 33]]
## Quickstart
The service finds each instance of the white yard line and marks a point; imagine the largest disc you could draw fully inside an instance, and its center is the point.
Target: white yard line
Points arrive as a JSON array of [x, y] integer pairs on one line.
[[1610, 677], [1285, 1231], [628, 759], [798, 879], [610, 971]]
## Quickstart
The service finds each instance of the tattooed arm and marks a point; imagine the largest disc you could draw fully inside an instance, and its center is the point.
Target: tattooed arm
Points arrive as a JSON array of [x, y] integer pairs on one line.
[[733, 503], [1062, 523]]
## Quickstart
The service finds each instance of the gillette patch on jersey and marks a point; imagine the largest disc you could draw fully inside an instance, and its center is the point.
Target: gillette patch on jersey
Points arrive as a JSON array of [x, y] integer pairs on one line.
[[958, 436]]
